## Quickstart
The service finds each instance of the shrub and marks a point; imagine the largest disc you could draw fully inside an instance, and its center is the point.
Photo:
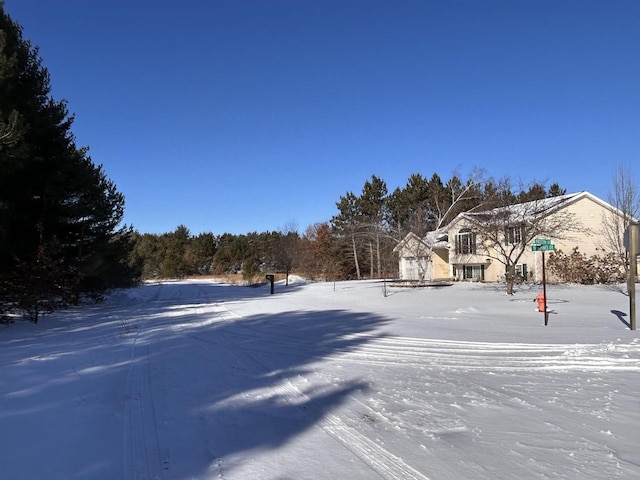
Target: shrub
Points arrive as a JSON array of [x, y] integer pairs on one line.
[[580, 268]]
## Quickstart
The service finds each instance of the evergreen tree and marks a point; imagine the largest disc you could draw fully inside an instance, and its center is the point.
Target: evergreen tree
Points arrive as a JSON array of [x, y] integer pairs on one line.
[[56, 206], [556, 191], [348, 227], [202, 249], [174, 264], [373, 209], [408, 207], [536, 191], [148, 254]]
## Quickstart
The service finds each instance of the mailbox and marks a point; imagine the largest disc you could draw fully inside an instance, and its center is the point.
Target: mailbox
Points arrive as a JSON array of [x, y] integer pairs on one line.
[[271, 279]]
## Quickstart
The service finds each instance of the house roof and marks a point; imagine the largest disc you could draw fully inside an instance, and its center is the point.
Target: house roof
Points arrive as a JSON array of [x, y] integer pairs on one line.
[[435, 239], [535, 208], [407, 238], [546, 206]]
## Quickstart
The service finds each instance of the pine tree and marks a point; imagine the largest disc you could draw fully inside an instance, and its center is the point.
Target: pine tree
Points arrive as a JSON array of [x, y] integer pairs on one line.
[[348, 227], [55, 203], [372, 203]]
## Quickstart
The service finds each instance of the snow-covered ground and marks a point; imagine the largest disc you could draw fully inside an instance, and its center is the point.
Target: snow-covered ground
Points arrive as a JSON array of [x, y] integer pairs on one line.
[[197, 380]]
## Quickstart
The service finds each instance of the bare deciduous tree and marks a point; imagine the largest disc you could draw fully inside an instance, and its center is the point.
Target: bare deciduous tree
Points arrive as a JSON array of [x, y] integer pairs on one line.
[[459, 197], [624, 196], [505, 232], [286, 248], [319, 252]]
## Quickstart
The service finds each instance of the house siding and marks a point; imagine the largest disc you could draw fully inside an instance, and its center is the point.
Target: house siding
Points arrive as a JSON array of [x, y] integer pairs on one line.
[[413, 263], [589, 239], [588, 211], [440, 261], [411, 267]]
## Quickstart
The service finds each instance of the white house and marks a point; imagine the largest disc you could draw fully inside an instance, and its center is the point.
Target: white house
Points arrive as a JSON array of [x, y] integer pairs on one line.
[[459, 250], [425, 258]]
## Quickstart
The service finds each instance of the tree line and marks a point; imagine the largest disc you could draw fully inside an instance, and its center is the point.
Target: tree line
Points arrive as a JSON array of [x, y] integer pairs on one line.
[[180, 254], [356, 243]]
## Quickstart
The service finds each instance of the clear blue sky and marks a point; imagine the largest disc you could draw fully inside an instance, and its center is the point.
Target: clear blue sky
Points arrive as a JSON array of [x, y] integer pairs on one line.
[[238, 116]]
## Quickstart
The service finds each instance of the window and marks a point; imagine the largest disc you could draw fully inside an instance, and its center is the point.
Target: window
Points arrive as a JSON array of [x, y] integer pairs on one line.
[[473, 272], [513, 235], [465, 242], [521, 271]]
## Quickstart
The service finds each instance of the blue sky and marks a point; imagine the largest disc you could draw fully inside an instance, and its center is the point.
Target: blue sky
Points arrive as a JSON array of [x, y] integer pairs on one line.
[[239, 116]]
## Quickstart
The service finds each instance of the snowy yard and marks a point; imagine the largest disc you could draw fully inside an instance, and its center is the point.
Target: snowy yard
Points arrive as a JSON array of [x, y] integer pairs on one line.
[[197, 380]]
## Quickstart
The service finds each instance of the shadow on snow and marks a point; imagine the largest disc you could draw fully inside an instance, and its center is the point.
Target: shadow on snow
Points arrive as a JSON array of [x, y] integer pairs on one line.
[[220, 385]]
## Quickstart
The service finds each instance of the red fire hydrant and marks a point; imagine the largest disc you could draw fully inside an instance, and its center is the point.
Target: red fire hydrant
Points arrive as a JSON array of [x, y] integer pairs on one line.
[[540, 300]]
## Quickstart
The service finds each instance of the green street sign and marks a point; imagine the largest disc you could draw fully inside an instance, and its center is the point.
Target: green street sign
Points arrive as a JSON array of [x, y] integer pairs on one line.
[[543, 247]]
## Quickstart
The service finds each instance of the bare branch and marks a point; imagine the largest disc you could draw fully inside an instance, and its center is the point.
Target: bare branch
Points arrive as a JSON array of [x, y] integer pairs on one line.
[[625, 198], [10, 131]]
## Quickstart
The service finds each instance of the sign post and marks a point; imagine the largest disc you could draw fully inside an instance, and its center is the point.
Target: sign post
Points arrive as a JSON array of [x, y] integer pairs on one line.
[[543, 245], [632, 244]]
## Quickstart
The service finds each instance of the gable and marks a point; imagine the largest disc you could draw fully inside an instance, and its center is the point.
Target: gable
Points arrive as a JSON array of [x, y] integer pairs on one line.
[[411, 246]]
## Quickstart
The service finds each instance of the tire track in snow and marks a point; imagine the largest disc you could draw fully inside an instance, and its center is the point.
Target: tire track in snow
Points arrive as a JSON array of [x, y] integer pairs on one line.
[[464, 355], [441, 355], [141, 446], [456, 357], [453, 354], [385, 464], [448, 354]]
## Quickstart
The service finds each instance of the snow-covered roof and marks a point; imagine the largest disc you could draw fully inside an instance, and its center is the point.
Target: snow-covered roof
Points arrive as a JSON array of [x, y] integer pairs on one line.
[[409, 237], [437, 238], [534, 208], [521, 211], [544, 206]]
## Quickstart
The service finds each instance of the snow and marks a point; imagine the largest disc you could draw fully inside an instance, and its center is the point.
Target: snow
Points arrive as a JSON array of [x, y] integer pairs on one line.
[[199, 380]]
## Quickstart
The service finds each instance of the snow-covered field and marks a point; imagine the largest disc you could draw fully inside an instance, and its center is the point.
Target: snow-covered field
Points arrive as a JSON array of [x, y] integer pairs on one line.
[[197, 380]]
